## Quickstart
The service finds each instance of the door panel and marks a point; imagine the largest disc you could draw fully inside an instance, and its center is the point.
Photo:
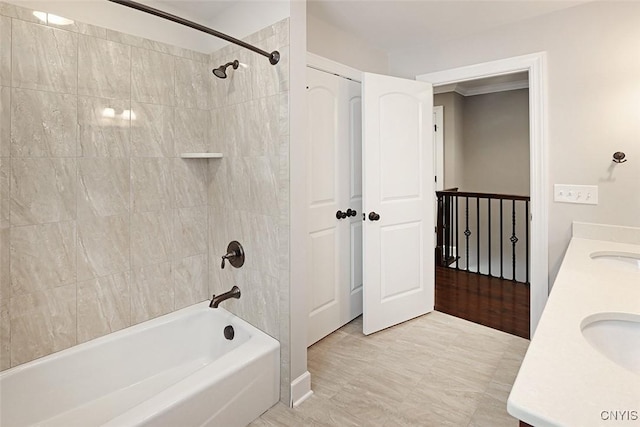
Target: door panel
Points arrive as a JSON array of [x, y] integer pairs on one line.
[[398, 269], [335, 278]]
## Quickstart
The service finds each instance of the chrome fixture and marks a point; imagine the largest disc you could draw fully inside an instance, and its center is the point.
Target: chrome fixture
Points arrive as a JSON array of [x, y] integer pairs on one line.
[[274, 56], [235, 255], [619, 157], [233, 293], [221, 71]]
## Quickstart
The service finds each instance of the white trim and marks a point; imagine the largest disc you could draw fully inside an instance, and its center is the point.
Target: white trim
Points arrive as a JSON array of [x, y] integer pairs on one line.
[[301, 389], [438, 121], [323, 64], [482, 90], [535, 64]]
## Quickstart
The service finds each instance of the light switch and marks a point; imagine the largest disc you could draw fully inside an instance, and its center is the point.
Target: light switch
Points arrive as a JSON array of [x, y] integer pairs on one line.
[[583, 194]]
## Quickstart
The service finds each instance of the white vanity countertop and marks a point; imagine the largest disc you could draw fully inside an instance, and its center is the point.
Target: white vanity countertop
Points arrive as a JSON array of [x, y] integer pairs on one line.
[[563, 380]]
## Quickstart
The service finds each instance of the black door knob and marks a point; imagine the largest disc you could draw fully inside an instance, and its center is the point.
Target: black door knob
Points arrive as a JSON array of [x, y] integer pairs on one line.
[[351, 212], [373, 216], [341, 215]]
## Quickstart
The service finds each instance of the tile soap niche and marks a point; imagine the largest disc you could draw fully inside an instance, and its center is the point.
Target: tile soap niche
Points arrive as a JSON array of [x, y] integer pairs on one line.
[[201, 155]]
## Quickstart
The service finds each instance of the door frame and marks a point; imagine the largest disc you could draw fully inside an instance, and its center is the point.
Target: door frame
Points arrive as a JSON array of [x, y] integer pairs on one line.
[[535, 64]]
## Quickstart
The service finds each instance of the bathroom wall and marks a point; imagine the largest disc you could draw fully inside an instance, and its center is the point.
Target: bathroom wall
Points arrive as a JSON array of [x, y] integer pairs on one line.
[[102, 224], [249, 187], [330, 42], [593, 99]]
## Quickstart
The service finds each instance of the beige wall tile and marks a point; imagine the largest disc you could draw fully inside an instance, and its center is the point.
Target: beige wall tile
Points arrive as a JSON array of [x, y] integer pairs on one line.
[[42, 190], [152, 132], [151, 184], [191, 127], [5, 259], [151, 238], [190, 182], [104, 68], [42, 256], [190, 231], [153, 77], [103, 246], [190, 280], [103, 187], [263, 184], [192, 84], [5, 335], [43, 124], [44, 58], [5, 193], [104, 127], [42, 323], [5, 51], [151, 292], [104, 306], [5, 121]]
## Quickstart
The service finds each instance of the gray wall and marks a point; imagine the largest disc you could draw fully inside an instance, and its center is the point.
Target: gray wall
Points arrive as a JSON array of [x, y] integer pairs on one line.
[[496, 143], [102, 225]]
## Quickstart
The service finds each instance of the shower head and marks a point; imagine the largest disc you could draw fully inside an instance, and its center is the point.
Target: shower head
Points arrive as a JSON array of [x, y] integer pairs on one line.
[[221, 71]]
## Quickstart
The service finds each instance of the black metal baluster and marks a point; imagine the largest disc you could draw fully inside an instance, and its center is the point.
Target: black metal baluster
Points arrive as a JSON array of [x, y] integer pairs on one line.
[[457, 242], [478, 232], [501, 243], [451, 227], [467, 232], [447, 225], [514, 239], [526, 222], [489, 235]]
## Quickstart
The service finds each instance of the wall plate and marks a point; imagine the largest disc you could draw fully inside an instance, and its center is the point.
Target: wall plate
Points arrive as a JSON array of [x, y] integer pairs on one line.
[[581, 194]]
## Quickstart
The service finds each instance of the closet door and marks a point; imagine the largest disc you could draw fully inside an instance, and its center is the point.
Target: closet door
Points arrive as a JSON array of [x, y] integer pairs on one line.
[[334, 184]]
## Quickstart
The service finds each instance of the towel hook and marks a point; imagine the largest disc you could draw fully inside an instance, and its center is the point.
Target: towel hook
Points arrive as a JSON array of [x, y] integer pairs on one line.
[[619, 157]]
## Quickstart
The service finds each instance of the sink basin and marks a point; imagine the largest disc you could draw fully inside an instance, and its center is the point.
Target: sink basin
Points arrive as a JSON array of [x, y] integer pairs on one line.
[[623, 260], [616, 336]]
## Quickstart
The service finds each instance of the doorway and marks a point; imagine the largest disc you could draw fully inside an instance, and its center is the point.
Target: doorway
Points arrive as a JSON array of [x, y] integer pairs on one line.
[[482, 265], [534, 65]]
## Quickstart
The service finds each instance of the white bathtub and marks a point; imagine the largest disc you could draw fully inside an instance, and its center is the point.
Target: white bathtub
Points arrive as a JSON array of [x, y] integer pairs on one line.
[[176, 370]]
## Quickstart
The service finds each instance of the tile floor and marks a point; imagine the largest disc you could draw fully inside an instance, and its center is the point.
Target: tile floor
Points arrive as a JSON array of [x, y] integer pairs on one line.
[[436, 370]]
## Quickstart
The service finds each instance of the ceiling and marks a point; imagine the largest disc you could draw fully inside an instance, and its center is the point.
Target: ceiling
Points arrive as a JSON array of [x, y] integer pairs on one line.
[[392, 25]]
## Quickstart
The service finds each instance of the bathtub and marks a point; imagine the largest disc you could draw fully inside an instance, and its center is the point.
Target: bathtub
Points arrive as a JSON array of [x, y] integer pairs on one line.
[[175, 370]]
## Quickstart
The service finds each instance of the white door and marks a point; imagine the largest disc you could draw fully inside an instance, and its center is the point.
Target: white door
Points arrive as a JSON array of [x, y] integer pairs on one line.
[[398, 239], [334, 184]]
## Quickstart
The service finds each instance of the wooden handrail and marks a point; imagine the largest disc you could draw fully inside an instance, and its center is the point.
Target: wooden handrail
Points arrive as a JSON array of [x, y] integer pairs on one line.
[[482, 195]]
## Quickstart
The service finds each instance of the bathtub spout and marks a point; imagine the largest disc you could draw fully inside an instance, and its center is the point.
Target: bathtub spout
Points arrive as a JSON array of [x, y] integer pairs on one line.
[[216, 300]]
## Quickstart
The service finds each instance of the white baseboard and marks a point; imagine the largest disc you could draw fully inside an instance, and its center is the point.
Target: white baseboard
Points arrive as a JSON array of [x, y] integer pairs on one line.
[[301, 389]]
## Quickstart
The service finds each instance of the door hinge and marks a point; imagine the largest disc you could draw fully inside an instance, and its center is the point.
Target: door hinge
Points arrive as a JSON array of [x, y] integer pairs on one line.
[[435, 128], [436, 179]]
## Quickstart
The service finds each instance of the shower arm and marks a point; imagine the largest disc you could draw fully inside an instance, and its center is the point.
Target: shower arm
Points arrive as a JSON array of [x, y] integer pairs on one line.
[[274, 56]]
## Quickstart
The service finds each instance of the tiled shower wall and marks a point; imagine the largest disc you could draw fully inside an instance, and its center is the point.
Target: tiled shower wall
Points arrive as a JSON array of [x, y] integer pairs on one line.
[[102, 225], [249, 187]]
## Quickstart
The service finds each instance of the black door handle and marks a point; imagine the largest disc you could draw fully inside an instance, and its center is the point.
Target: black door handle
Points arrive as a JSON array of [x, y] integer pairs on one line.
[[351, 212], [373, 216], [341, 215]]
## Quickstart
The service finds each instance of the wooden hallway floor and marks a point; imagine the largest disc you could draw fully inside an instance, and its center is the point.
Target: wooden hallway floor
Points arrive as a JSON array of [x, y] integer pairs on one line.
[[435, 370], [490, 301]]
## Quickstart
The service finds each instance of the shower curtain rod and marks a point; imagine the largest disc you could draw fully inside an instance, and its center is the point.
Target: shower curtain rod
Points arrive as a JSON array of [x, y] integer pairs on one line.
[[274, 56]]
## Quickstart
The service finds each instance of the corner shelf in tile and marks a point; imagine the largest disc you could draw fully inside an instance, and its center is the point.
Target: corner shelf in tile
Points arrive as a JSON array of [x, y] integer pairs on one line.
[[201, 155]]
